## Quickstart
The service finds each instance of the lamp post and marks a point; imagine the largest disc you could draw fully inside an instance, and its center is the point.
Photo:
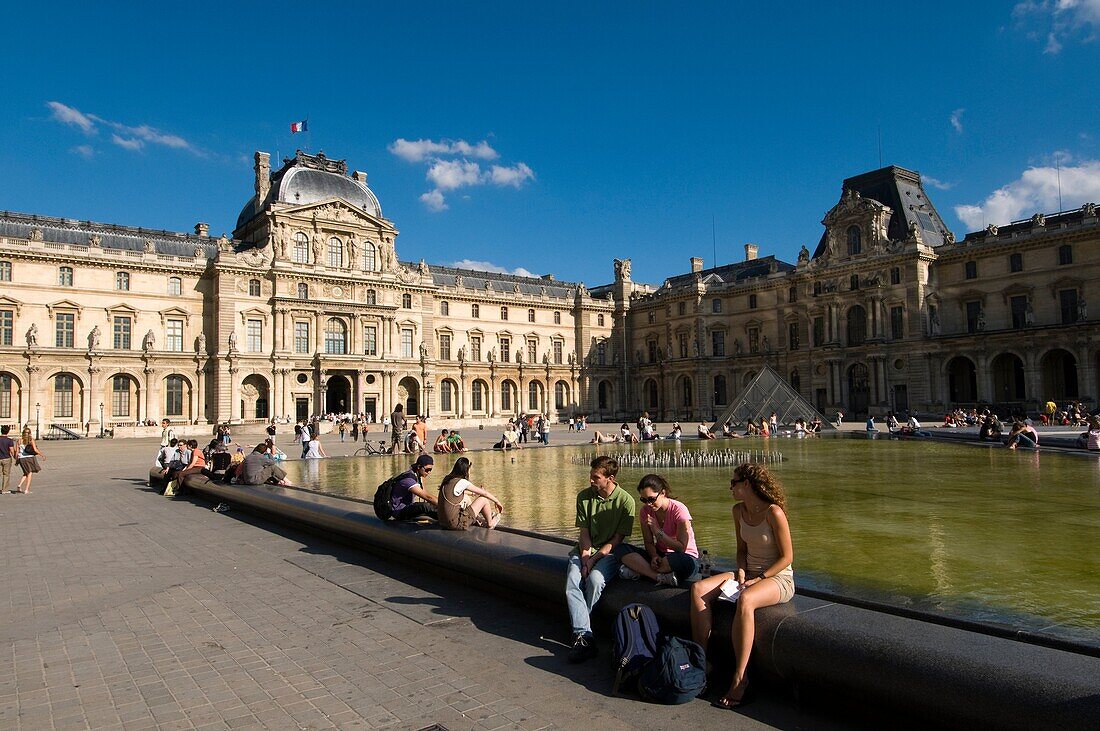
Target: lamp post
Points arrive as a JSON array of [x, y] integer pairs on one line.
[[37, 419], [100, 419], [428, 400]]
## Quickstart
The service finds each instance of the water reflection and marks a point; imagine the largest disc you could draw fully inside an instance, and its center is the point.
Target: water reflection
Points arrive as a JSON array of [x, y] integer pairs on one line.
[[984, 533]]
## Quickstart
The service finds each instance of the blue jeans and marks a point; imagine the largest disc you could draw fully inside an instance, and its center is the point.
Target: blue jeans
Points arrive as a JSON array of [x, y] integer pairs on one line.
[[581, 597], [1023, 440]]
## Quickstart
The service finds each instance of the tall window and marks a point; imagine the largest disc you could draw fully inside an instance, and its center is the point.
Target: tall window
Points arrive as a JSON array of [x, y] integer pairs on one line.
[[368, 257], [504, 313], [717, 343], [973, 313], [336, 337], [1018, 305], [254, 335], [720, 397], [406, 342], [685, 392], [682, 338], [533, 394], [559, 395], [651, 351], [819, 331], [601, 352], [372, 297], [122, 281], [897, 322], [5, 271], [444, 347], [121, 327], [303, 291], [174, 335], [5, 396], [557, 317], [370, 340], [63, 396], [651, 317], [335, 253], [65, 329], [855, 240], [754, 340], [752, 301], [445, 308], [557, 352], [175, 286], [173, 396], [65, 276], [120, 396], [716, 305], [895, 275], [853, 282], [475, 311], [530, 315], [599, 320], [505, 350], [506, 396], [301, 248], [301, 337], [792, 294], [475, 348], [253, 287], [1015, 262], [681, 308], [532, 351], [7, 327], [477, 396], [1067, 298], [407, 301], [1065, 255], [970, 270], [857, 325], [446, 396], [792, 335]]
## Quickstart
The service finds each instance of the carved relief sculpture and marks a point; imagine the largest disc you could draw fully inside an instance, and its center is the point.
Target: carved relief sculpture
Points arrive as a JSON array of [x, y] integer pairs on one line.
[[200, 344], [233, 341]]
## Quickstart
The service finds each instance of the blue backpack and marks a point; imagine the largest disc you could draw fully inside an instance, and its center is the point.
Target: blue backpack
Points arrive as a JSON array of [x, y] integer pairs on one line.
[[635, 644], [676, 674]]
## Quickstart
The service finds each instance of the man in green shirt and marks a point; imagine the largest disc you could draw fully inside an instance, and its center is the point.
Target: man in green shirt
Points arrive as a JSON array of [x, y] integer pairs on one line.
[[605, 517]]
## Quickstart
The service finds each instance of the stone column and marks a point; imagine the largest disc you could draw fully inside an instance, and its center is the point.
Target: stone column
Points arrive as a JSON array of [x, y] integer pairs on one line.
[[360, 390], [234, 393], [198, 412], [150, 404], [493, 394], [984, 379], [318, 335], [276, 393], [1033, 378], [93, 404], [461, 406]]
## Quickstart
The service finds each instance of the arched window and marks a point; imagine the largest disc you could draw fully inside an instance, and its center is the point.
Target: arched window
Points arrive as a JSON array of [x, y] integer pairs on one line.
[[504, 313], [685, 392], [253, 287], [335, 253], [301, 248], [63, 396], [368, 257], [506, 389], [65, 276], [407, 301], [303, 291], [857, 325], [372, 297], [173, 396], [6, 393], [477, 396], [445, 308], [534, 396], [120, 396], [336, 336], [122, 281], [447, 396], [175, 286], [720, 390], [561, 395], [855, 240]]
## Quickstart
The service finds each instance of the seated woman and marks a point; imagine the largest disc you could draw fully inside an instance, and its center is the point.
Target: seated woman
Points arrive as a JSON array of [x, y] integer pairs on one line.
[[765, 431], [676, 432], [727, 429], [598, 437], [814, 426], [751, 430], [800, 427], [1023, 435], [510, 438], [670, 556], [704, 431], [315, 451], [441, 446], [628, 436], [463, 504]]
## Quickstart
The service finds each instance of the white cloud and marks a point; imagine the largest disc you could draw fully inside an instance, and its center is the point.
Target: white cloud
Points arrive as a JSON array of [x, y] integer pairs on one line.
[[488, 266], [421, 150], [454, 174], [956, 120], [127, 137], [85, 151], [71, 116], [936, 183], [1061, 20], [515, 176], [434, 201], [1036, 190]]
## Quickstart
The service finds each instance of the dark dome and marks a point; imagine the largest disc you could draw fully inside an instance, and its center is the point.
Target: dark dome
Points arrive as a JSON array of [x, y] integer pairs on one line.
[[298, 184]]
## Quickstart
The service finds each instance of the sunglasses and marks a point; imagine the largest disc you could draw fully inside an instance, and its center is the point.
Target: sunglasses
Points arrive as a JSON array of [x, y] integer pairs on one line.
[[648, 500]]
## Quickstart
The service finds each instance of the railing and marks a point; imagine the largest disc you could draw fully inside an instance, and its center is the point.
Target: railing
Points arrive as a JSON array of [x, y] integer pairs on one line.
[[57, 431]]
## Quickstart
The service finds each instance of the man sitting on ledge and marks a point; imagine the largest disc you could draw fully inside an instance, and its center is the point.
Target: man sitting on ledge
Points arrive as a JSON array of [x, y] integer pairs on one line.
[[605, 516], [259, 468], [410, 486]]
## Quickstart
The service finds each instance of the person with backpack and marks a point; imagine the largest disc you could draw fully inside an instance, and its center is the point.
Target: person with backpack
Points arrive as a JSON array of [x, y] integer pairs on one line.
[[408, 486], [605, 516], [764, 575], [670, 556]]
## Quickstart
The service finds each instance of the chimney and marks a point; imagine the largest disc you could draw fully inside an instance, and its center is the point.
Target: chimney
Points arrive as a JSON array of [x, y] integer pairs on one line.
[[263, 175], [696, 264], [751, 251], [360, 177], [202, 229]]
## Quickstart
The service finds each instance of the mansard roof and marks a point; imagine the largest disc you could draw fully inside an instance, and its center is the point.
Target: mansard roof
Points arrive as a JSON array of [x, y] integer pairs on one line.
[[501, 283], [111, 236], [1036, 225], [734, 273]]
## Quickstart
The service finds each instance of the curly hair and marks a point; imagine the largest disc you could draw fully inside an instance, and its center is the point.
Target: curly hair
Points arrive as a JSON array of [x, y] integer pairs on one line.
[[766, 487]]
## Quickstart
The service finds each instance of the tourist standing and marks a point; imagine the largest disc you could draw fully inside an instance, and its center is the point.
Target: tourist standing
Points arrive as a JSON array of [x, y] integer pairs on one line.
[[572, 424], [7, 458], [764, 573], [397, 436], [385, 424], [545, 431], [167, 433], [343, 429], [27, 453]]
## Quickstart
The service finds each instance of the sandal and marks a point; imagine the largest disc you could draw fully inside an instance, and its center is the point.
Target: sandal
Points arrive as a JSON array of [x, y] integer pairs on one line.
[[729, 703]]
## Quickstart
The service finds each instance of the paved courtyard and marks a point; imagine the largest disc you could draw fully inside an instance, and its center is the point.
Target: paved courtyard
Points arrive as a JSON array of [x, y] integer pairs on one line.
[[122, 609]]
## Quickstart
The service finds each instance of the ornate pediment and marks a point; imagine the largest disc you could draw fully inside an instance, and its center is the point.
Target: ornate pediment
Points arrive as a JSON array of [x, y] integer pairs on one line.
[[870, 217], [323, 214]]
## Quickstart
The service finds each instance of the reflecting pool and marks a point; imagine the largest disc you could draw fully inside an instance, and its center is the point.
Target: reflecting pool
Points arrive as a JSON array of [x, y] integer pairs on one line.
[[982, 533]]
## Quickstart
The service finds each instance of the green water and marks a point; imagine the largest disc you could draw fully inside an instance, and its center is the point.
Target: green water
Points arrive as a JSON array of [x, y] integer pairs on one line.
[[976, 532]]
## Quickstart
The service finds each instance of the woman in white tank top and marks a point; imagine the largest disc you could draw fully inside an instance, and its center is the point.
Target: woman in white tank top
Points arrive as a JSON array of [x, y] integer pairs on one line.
[[764, 573]]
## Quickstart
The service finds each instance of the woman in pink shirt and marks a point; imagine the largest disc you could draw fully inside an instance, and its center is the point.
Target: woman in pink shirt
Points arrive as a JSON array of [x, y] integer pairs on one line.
[[670, 556]]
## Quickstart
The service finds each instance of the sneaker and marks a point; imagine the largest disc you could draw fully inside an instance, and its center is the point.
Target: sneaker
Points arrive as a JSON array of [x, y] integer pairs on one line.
[[221, 508], [625, 572], [668, 579], [583, 649]]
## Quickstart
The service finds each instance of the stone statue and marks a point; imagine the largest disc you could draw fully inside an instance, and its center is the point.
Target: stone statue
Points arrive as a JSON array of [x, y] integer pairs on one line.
[[280, 238], [224, 244], [458, 281], [318, 249], [462, 354], [423, 350], [546, 358], [422, 267], [615, 358], [1038, 220], [93, 339], [149, 247], [200, 251], [1089, 210], [149, 341], [391, 253], [36, 234], [233, 341], [933, 321], [1029, 315], [622, 270], [981, 320], [914, 231], [572, 358], [695, 348], [519, 356], [353, 252], [200, 344], [991, 230], [32, 336], [492, 355], [638, 356], [948, 237], [668, 351], [803, 254], [1082, 310], [737, 346], [767, 347], [94, 240]]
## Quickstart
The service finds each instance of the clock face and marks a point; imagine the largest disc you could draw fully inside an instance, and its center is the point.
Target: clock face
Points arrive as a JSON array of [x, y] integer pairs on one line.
[[337, 291]]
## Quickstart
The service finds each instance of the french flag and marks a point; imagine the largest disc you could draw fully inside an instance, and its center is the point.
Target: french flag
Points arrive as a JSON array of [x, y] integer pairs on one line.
[[302, 126]]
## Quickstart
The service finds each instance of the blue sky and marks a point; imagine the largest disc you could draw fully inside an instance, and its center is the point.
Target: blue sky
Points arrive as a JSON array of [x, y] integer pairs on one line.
[[609, 129]]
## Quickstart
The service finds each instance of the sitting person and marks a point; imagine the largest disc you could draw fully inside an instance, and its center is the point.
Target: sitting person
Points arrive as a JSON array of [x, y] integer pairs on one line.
[[800, 427], [676, 432], [1023, 435], [314, 449], [463, 504], [259, 468], [649, 432], [441, 446], [510, 438], [871, 428], [704, 431], [166, 456], [751, 429], [727, 428], [455, 442], [197, 462], [765, 430], [1090, 440], [598, 437], [628, 436], [410, 486], [892, 422], [814, 426], [670, 556]]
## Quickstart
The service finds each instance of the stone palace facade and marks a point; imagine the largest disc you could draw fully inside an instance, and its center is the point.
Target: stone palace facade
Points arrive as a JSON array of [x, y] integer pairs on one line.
[[308, 309]]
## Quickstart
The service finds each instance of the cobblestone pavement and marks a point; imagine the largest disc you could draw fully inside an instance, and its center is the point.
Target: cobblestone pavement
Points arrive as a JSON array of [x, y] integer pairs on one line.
[[122, 609]]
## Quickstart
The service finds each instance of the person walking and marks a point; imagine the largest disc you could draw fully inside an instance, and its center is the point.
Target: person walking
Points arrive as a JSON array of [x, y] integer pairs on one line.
[[7, 458], [545, 431], [28, 453]]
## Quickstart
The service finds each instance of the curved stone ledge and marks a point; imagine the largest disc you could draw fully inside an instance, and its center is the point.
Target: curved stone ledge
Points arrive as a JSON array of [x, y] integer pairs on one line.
[[941, 673]]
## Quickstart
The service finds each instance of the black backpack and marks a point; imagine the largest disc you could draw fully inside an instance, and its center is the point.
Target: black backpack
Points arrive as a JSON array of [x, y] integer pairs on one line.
[[635, 644], [383, 505], [676, 674]]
